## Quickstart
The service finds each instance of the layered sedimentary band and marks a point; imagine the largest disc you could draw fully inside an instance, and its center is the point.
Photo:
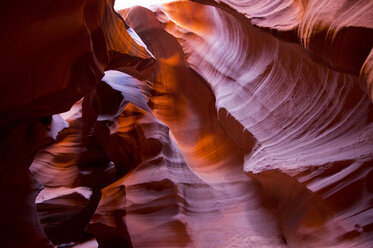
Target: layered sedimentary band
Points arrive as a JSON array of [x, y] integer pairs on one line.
[[191, 124]]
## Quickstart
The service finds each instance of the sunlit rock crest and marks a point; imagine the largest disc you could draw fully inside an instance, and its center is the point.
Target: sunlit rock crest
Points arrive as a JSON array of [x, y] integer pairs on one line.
[[194, 124]]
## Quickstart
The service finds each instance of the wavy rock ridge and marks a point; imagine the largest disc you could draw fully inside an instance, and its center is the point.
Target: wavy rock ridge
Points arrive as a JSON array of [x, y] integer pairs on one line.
[[223, 124]]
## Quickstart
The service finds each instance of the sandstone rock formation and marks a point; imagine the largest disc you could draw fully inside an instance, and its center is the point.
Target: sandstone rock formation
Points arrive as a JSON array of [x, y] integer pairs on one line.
[[190, 124]]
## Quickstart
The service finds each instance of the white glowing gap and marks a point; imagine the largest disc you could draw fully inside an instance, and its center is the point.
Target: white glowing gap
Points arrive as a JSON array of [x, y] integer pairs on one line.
[[122, 4]]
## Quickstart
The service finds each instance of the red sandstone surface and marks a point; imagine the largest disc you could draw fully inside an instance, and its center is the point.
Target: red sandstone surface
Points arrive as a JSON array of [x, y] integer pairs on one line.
[[189, 124]]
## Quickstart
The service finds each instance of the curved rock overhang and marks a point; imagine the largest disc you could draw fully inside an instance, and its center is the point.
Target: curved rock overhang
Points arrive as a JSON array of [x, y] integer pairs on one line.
[[190, 124]]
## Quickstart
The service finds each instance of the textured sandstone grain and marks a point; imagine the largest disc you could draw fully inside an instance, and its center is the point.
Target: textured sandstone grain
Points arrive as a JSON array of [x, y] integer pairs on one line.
[[192, 124]]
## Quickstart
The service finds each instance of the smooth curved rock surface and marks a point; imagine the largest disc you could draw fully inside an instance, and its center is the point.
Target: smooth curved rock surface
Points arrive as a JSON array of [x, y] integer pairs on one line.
[[298, 120], [337, 34], [53, 55], [192, 124], [165, 204]]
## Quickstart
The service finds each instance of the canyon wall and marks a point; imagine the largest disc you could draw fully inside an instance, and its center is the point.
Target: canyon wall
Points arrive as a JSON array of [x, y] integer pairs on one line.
[[190, 124]]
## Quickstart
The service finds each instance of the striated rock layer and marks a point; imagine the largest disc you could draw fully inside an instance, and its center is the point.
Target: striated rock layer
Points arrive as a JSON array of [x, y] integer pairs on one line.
[[337, 34], [53, 55], [192, 124]]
